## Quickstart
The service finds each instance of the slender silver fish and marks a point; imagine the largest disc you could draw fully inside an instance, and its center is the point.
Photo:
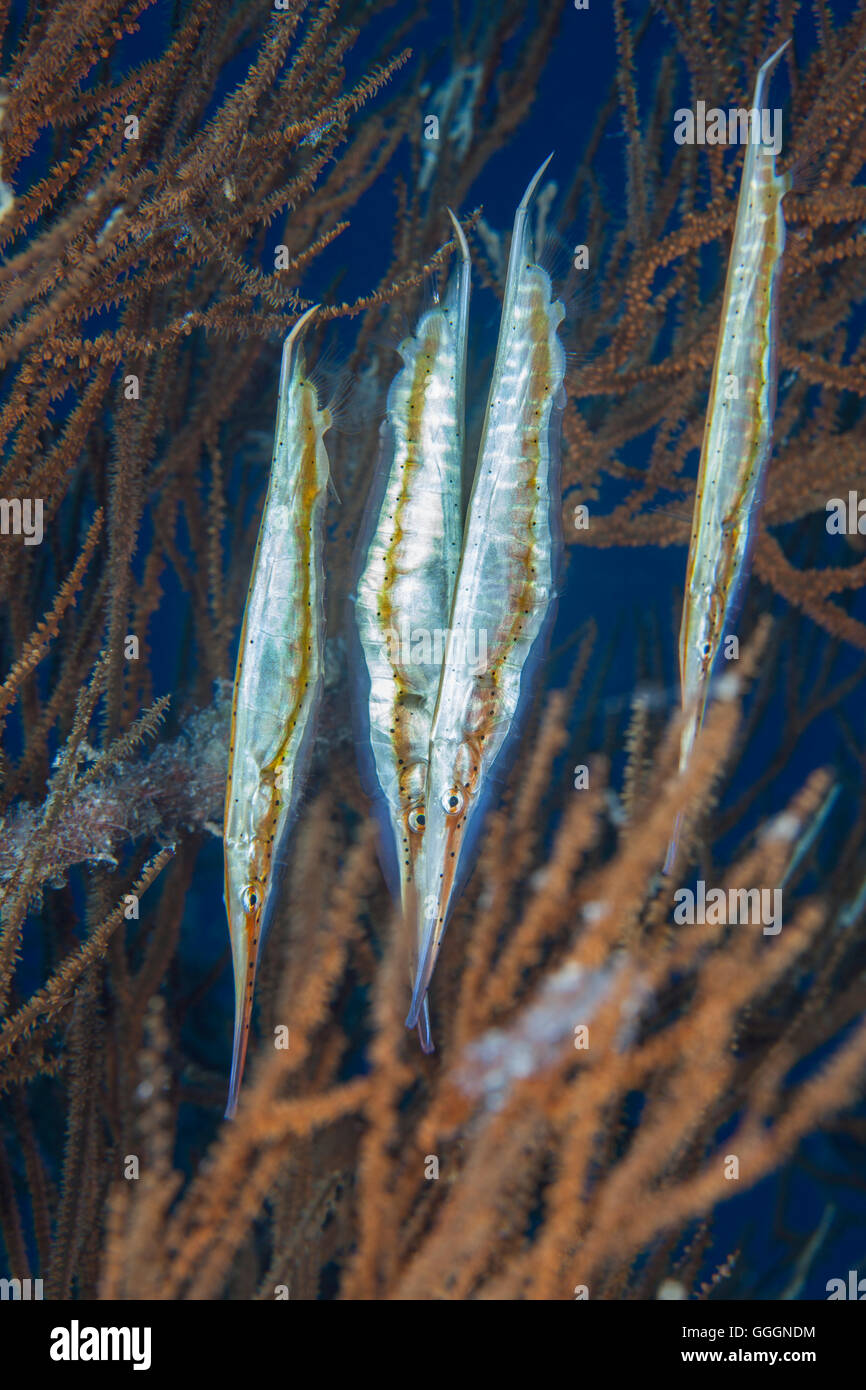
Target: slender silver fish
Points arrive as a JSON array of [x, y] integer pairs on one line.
[[277, 681], [738, 435], [505, 591], [409, 568]]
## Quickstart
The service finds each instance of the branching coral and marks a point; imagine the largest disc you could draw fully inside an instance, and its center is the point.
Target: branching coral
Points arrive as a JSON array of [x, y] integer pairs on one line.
[[453, 1159], [142, 306]]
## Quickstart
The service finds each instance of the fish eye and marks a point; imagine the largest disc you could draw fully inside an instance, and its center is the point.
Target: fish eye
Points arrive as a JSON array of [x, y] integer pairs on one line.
[[452, 802], [417, 819], [251, 897]]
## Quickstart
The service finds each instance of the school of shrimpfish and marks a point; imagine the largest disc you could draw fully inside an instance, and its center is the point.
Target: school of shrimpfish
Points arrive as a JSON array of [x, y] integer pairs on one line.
[[452, 608]]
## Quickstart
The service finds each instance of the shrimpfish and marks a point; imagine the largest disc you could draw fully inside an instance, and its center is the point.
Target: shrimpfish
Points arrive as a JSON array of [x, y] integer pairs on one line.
[[408, 568], [738, 434], [277, 680], [504, 595]]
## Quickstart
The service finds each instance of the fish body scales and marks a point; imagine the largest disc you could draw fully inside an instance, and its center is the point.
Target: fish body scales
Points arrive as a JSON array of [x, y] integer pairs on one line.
[[409, 568], [505, 590], [277, 681], [738, 433]]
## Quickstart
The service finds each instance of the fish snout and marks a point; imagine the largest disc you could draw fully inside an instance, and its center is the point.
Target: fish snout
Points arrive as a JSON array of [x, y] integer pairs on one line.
[[436, 876]]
